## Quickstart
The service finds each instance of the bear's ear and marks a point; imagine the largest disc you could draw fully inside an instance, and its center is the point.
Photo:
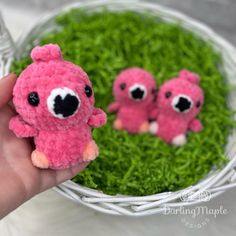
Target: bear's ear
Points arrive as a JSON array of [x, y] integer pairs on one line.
[[46, 53], [190, 76]]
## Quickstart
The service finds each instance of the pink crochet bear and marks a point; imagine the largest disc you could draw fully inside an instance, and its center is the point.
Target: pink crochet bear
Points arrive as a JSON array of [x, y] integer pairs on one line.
[[178, 103], [135, 91], [55, 103]]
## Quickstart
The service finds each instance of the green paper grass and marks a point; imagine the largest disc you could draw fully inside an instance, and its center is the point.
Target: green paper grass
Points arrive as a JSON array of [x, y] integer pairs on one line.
[[105, 43]]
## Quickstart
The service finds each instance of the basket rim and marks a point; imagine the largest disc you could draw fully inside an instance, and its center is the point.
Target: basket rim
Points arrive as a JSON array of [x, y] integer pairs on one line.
[[90, 197]]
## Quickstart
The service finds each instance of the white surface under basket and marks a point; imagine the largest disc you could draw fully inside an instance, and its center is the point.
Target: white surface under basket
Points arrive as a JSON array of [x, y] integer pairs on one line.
[[216, 182]]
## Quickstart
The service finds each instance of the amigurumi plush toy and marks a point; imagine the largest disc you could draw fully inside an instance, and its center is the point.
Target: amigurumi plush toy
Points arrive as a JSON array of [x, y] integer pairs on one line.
[[135, 91], [55, 104], [178, 103]]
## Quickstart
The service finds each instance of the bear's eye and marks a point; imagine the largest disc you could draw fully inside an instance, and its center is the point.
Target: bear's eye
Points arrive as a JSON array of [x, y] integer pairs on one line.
[[122, 86], [168, 94], [88, 91], [33, 99], [154, 91], [198, 104]]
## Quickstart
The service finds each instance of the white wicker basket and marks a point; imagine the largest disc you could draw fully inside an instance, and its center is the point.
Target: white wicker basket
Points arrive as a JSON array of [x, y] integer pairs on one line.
[[216, 182]]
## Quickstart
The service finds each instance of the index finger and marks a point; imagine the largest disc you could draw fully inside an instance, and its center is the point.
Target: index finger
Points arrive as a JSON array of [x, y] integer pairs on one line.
[[6, 86]]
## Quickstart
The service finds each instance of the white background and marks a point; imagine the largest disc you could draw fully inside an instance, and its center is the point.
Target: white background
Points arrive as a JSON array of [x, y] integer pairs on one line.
[[50, 214]]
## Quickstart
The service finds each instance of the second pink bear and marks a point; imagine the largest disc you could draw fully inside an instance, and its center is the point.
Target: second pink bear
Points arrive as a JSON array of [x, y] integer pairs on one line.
[[135, 91]]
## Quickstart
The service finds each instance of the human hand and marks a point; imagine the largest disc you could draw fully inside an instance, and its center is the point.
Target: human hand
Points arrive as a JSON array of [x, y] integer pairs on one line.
[[19, 179]]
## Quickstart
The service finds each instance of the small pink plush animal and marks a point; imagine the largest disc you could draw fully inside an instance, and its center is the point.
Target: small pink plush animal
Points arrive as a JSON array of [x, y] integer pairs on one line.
[[134, 90], [55, 103], [179, 101]]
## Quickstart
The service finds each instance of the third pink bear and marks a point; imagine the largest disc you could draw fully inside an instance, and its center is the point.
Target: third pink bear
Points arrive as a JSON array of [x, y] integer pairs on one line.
[[178, 103]]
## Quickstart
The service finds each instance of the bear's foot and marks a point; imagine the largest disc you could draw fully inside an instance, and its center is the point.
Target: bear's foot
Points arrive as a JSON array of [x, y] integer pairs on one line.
[[118, 124], [91, 151], [153, 127], [39, 160], [144, 127], [179, 140]]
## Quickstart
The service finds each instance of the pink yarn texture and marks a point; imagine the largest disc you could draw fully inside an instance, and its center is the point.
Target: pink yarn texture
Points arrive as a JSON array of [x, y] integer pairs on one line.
[[135, 91], [55, 105], [178, 103]]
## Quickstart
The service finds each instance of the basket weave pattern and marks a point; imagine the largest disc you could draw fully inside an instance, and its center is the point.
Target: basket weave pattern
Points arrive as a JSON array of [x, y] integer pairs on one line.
[[214, 184]]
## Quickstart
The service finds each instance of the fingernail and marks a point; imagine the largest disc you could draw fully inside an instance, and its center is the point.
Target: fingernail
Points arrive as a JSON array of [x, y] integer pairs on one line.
[[9, 75]]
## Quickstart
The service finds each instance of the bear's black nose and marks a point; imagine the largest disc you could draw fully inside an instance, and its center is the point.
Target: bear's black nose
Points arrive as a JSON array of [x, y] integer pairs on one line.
[[63, 102], [183, 104], [65, 106], [137, 92]]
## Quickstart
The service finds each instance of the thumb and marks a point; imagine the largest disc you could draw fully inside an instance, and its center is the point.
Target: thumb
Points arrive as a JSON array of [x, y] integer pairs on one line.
[[6, 86]]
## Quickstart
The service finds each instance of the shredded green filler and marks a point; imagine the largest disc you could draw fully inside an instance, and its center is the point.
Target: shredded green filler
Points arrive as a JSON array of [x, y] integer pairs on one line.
[[103, 44]]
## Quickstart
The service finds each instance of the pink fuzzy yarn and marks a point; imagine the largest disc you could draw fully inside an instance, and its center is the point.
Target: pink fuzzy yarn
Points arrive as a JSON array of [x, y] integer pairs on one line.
[[47, 53], [55, 105], [134, 90], [179, 101]]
